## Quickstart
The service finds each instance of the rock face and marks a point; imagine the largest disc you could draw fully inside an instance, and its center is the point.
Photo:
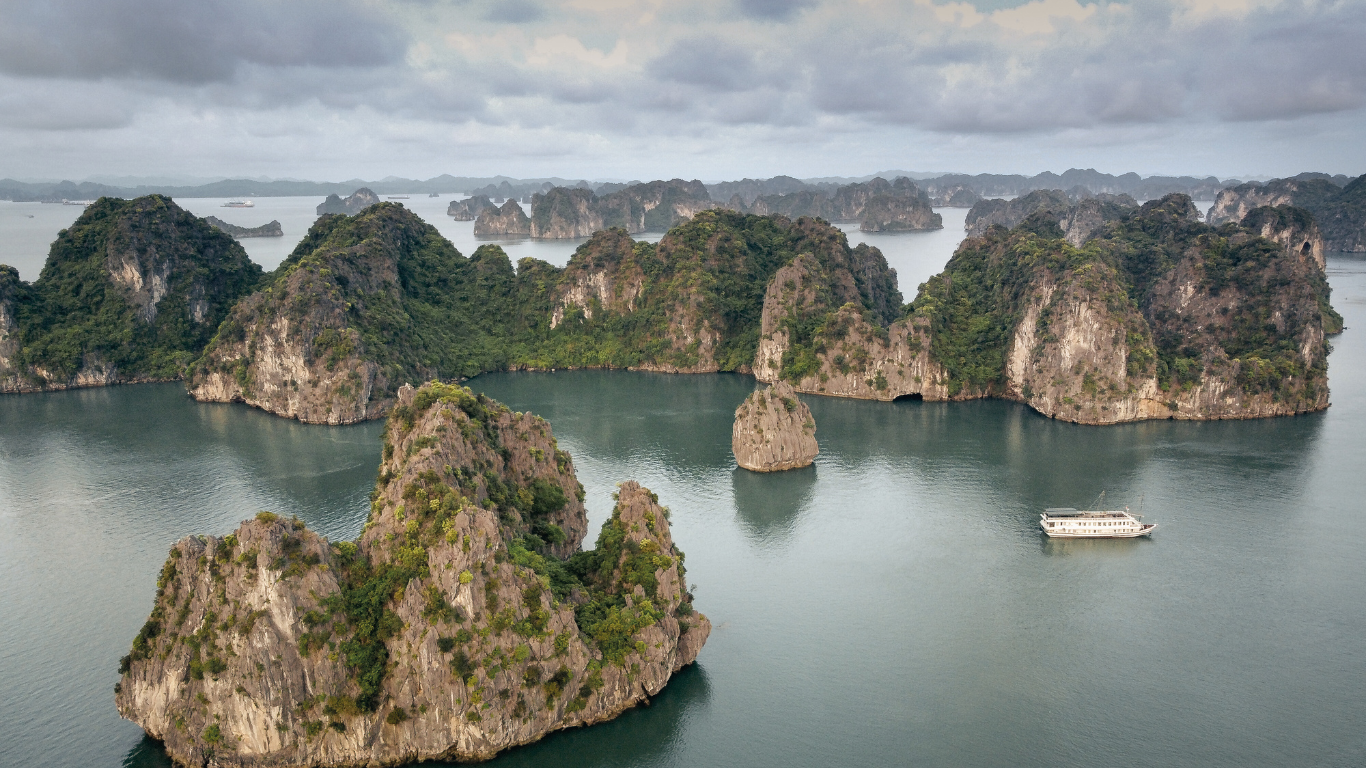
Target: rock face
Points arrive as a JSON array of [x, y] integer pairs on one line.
[[468, 210], [1090, 215], [1155, 319], [12, 295], [1339, 211], [358, 201], [265, 230], [621, 304], [132, 291], [1078, 221], [879, 205], [563, 213], [363, 304], [774, 431], [450, 630], [508, 220], [1010, 213], [899, 213], [957, 196]]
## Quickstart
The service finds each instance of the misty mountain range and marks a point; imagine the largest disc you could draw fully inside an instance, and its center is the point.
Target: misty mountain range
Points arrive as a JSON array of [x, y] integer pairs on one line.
[[502, 187]]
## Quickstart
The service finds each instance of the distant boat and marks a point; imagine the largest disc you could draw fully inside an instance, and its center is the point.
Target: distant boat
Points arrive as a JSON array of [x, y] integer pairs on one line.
[[78, 202], [1068, 523], [398, 197], [239, 204]]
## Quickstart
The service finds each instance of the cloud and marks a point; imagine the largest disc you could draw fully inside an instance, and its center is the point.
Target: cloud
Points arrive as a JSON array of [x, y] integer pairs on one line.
[[737, 77], [188, 42], [772, 10], [707, 62], [514, 12]]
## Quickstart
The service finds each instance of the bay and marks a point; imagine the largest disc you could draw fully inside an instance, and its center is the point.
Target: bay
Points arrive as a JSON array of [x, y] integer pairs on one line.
[[894, 604]]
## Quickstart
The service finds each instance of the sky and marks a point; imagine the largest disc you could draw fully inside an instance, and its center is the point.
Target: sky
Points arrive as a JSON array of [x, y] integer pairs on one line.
[[711, 89]]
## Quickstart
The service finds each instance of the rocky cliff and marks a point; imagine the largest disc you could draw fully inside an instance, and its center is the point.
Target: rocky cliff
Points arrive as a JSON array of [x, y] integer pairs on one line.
[[899, 213], [509, 220], [956, 196], [692, 303], [1339, 211], [1161, 317], [1158, 316], [132, 291], [363, 304], [358, 201], [265, 230], [563, 213], [877, 204], [454, 628], [1010, 213], [774, 431], [468, 210]]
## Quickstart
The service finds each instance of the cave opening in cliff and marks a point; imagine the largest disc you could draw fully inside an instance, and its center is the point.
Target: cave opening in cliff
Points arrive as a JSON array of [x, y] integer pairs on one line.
[[912, 396]]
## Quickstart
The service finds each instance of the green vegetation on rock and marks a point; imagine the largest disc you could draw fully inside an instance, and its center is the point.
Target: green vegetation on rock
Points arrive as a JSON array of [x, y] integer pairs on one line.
[[132, 290]]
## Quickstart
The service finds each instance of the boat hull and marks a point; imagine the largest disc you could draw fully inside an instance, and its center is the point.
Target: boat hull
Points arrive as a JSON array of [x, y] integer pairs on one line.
[[1144, 531]]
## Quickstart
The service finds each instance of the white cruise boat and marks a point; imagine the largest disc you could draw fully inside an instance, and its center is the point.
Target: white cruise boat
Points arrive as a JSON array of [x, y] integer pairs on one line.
[[239, 204], [1068, 523]]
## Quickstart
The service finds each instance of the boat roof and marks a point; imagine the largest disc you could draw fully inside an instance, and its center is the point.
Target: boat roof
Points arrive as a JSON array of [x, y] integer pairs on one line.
[[1072, 512]]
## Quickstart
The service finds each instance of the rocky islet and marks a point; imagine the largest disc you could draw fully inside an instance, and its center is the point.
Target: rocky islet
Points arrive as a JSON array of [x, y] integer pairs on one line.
[[774, 431], [465, 619]]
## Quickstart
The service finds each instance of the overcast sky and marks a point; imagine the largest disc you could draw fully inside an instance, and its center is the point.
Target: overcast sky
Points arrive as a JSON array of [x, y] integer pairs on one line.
[[716, 89]]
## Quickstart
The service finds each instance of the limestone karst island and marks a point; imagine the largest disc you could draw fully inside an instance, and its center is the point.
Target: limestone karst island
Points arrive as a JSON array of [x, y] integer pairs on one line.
[[468, 618]]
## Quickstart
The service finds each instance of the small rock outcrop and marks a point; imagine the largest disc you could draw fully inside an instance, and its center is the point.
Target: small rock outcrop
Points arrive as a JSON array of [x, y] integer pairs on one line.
[[457, 626], [358, 201], [468, 209], [509, 220], [272, 229], [774, 431]]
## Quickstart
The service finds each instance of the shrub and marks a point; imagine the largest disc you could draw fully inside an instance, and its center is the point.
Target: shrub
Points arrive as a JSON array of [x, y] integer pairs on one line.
[[396, 715]]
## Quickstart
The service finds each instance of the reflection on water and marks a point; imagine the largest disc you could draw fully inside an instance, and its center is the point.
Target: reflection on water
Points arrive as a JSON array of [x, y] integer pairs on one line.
[[769, 503]]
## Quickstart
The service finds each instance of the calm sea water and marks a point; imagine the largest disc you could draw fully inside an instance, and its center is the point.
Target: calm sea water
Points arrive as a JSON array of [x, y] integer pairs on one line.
[[892, 605]]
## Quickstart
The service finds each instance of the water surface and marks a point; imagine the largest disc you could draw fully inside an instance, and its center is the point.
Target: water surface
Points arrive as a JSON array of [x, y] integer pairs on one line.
[[892, 605]]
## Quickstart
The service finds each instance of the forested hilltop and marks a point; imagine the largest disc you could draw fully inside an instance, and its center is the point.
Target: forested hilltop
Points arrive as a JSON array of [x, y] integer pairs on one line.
[[1098, 312], [132, 291]]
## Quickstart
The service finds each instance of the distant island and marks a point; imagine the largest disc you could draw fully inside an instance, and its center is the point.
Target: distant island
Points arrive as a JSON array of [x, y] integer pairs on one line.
[[953, 189], [563, 213], [132, 291], [1340, 210], [463, 621], [1157, 314], [265, 230]]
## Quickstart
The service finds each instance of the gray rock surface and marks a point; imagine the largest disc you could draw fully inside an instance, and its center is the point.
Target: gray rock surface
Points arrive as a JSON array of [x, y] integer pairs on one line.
[[774, 431], [272, 229], [507, 220], [358, 201], [253, 653]]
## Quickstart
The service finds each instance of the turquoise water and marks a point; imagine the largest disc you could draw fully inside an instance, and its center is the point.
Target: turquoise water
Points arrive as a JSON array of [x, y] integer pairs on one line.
[[893, 604]]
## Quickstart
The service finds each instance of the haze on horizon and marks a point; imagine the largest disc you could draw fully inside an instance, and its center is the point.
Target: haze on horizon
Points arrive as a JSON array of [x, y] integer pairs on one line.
[[715, 89]]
